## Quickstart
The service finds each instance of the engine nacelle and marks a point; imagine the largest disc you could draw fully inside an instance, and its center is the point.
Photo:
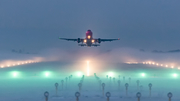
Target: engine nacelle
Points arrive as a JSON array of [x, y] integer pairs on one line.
[[99, 40], [78, 40]]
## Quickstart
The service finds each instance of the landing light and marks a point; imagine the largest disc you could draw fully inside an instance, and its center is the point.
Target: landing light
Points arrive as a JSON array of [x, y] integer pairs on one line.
[[89, 37], [85, 41], [92, 41]]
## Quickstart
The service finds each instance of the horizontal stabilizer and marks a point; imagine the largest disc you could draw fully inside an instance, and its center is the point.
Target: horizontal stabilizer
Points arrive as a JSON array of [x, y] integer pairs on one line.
[[95, 45], [82, 44]]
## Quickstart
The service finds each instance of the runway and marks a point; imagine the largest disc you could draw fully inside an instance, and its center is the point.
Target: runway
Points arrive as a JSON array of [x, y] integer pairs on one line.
[[31, 81]]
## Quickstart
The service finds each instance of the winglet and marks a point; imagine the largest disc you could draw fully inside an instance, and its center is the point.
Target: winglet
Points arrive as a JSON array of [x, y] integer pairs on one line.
[[59, 38], [118, 38]]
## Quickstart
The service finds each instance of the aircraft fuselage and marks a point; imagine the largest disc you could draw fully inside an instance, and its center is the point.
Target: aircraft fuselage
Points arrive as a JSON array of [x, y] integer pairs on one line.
[[89, 38]]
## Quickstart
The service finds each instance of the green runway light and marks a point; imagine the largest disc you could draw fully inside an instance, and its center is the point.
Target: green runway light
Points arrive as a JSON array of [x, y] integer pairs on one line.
[[46, 74], [79, 74], [15, 74], [175, 75], [110, 74], [143, 74]]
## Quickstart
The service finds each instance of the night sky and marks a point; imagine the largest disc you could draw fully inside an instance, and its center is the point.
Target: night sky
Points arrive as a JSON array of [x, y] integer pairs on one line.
[[35, 25]]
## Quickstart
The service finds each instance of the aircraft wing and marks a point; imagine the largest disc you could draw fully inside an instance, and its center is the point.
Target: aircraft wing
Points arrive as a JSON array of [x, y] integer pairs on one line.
[[68, 39], [103, 40]]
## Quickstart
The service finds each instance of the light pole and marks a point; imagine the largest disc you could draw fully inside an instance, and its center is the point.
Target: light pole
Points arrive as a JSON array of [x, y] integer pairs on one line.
[[103, 85], [80, 85], [170, 95], [77, 94], [56, 85], [138, 95], [126, 85], [150, 85], [108, 94], [46, 94]]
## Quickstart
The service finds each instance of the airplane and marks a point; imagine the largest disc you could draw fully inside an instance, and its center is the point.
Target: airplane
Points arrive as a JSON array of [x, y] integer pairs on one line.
[[89, 40]]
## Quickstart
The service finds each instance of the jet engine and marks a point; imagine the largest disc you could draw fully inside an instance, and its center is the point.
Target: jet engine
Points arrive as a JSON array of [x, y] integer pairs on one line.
[[99, 40], [78, 40]]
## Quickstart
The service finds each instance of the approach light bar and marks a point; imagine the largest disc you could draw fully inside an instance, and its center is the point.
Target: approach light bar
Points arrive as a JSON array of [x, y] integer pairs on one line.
[[158, 64], [14, 64]]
